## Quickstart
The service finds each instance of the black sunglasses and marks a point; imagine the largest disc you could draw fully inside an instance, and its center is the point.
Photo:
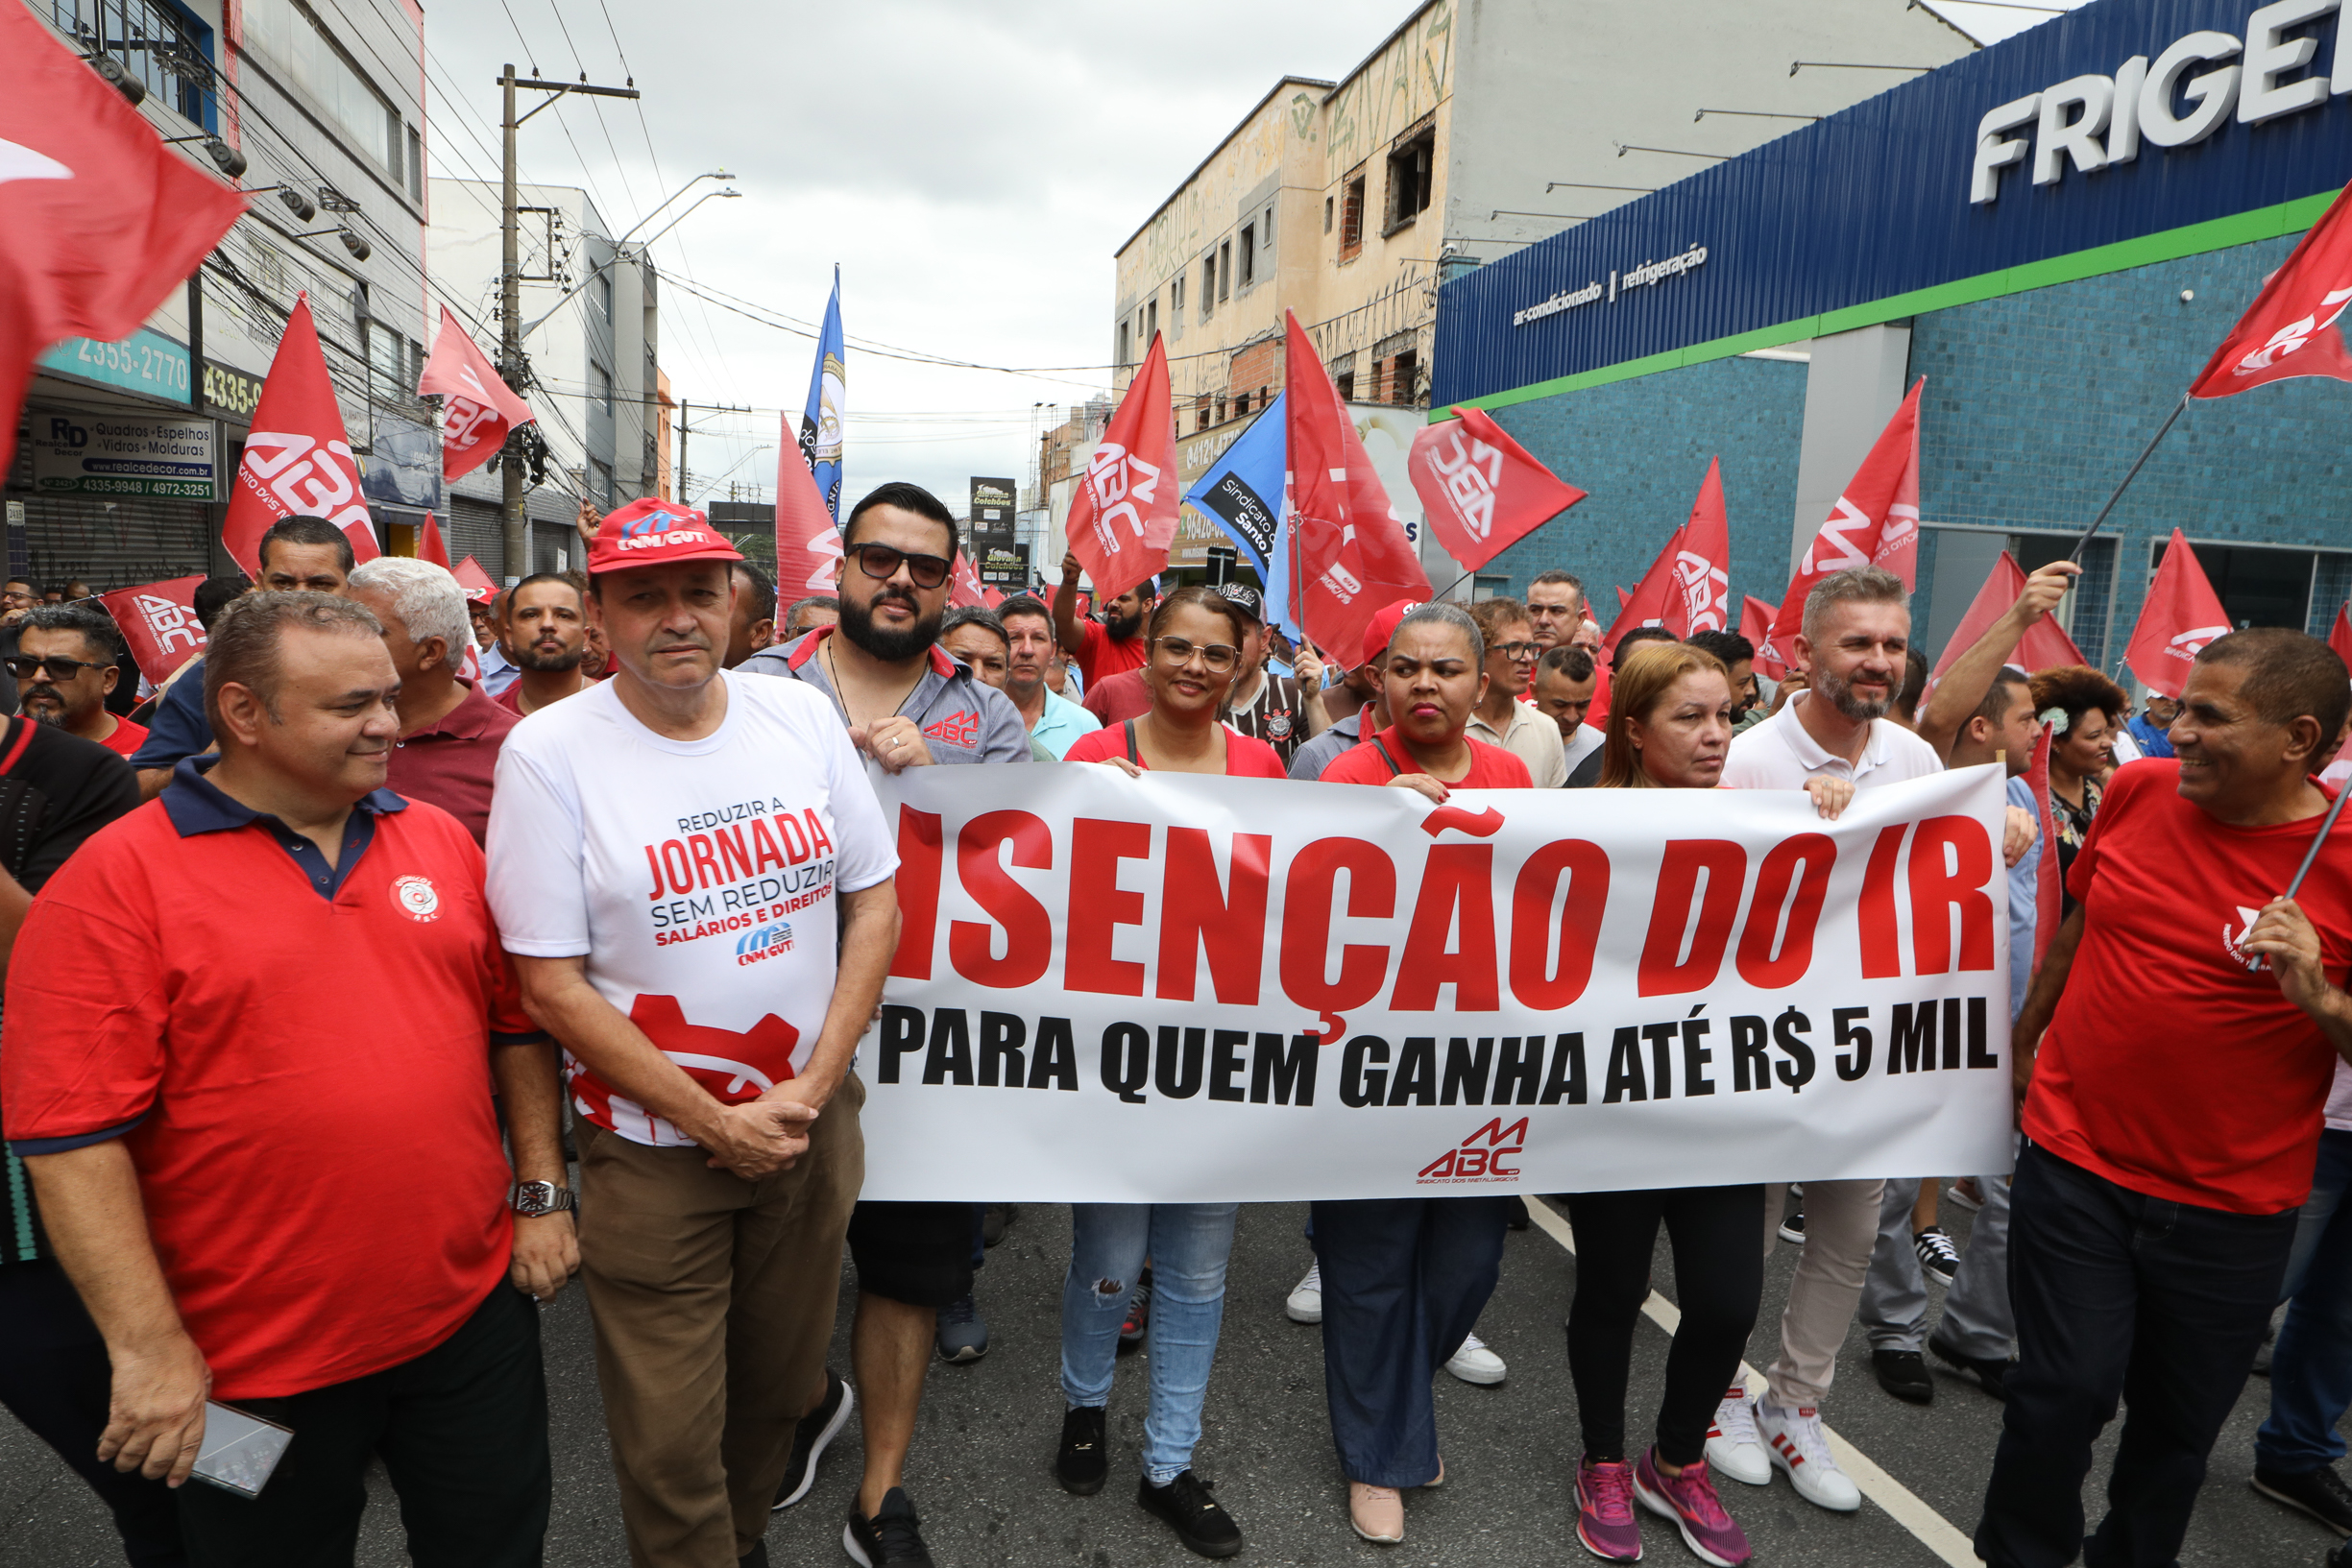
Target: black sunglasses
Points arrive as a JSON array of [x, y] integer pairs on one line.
[[60, 671], [881, 563]]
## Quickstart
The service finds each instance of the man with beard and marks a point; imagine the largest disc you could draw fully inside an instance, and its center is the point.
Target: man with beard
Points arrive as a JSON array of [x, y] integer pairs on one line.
[[754, 623], [546, 626], [907, 703], [67, 661], [1855, 631], [1117, 642]]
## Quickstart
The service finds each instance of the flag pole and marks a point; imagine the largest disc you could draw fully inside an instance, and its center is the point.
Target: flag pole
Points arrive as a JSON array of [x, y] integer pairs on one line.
[[2146, 452], [2312, 854]]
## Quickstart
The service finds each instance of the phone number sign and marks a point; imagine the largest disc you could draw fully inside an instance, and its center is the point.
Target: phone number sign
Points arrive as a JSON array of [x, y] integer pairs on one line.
[[145, 361], [77, 455]]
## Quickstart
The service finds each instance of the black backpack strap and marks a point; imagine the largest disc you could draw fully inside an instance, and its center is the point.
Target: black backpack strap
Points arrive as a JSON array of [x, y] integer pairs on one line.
[[1132, 754], [1383, 750]]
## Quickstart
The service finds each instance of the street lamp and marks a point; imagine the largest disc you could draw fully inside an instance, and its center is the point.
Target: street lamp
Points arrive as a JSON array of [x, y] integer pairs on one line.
[[599, 268]]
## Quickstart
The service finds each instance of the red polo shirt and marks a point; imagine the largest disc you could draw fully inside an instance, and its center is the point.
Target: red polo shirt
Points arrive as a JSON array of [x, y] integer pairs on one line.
[[450, 762], [1377, 761], [297, 1058]]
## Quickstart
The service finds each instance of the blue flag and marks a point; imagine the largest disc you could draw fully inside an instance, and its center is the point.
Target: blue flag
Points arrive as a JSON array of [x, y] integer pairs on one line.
[[820, 422], [1242, 494]]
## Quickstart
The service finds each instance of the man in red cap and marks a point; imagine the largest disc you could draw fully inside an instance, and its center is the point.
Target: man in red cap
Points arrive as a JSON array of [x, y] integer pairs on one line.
[[695, 880]]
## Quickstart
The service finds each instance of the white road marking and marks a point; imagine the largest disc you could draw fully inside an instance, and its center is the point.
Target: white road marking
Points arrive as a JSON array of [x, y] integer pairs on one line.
[[1937, 1533]]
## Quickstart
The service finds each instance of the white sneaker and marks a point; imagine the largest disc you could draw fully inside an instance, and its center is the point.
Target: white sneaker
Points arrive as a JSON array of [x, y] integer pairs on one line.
[[1733, 1446], [1307, 1302], [1802, 1449], [1475, 1364]]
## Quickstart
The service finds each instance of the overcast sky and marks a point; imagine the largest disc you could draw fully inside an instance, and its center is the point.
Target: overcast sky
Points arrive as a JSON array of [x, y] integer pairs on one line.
[[971, 167]]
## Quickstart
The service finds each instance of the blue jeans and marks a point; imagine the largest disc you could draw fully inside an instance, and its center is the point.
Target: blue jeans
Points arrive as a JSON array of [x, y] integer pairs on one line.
[[2311, 1371], [1188, 1245], [1404, 1281]]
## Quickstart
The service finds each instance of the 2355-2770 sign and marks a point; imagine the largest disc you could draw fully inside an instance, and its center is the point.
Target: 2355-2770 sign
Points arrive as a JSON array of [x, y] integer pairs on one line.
[[1175, 989]]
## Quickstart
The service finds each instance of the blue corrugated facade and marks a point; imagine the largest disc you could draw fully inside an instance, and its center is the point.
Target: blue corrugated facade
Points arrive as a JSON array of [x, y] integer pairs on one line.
[[1873, 202], [2037, 398]]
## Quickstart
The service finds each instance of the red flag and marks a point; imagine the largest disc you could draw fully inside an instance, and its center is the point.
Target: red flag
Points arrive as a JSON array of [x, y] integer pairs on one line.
[[1874, 522], [1652, 602], [2339, 635], [479, 408], [1755, 625], [2045, 643], [474, 581], [429, 546], [964, 583], [808, 545], [103, 220], [159, 622], [2047, 889], [1123, 517], [2290, 329], [2180, 614], [1481, 491], [1352, 555], [1703, 562], [298, 463]]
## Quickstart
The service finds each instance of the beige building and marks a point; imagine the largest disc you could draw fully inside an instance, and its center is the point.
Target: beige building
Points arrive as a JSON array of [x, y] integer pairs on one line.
[[1472, 129]]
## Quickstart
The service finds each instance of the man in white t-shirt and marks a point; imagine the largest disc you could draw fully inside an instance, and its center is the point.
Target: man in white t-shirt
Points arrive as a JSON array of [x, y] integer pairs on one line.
[[695, 880], [1856, 628]]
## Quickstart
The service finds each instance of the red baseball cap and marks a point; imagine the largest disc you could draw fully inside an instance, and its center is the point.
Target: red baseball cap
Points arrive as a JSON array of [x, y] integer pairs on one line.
[[656, 533], [1377, 636]]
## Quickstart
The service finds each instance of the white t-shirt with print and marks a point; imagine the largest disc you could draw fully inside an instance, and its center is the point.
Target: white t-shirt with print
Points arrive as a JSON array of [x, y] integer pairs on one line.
[[697, 877]]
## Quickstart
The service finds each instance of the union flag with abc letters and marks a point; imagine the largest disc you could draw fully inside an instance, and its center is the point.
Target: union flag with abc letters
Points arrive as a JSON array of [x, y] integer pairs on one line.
[[2291, 329], [1481, 491], [297, 461]]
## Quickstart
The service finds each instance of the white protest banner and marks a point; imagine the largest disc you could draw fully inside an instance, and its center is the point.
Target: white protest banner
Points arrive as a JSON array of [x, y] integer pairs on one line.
[[1186, 989]]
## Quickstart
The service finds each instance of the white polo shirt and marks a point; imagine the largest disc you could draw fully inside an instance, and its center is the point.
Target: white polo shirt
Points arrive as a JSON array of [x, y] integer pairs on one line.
[[1780, 754], [1532, 739]]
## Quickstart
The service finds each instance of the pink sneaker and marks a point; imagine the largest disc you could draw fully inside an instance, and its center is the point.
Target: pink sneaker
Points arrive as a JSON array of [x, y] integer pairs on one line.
[[1604, 1511], [1689, 1500]]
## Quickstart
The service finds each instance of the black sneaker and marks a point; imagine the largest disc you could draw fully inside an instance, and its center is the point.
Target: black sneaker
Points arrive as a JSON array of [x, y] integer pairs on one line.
[[1517, 1217], [2320, 1493], [816, 1429], [962, 1334], [893, 1536], [1938, 1259], [1138, 1313], [1084, 1459], [995, 1219], [1904, 1373], [756, 1558], [1990, 1374], [1196, 1517]]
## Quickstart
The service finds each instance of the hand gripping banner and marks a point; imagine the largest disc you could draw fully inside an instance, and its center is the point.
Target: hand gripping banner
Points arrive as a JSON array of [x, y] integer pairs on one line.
[[1176, 989]]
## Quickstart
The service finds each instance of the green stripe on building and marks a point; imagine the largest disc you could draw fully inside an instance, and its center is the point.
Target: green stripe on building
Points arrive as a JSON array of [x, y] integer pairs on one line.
[[2217, 234]]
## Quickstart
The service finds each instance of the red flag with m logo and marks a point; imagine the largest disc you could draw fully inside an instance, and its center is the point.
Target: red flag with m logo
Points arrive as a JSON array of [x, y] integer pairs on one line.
[[2180, 614], [478, 410], [1123, 517]]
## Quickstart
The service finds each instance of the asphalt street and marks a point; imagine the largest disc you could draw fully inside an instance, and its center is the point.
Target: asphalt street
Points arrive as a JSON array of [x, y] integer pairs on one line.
[[981, 1468]]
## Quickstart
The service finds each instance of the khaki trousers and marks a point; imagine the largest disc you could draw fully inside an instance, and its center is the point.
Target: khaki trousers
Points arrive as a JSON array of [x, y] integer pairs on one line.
[[1841, 1227], [714, 1302]]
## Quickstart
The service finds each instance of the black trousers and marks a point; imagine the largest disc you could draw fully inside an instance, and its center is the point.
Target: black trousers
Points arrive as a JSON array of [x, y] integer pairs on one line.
[[1719, 1275], [55, 1379], [461, 1429], [2119, 1294]]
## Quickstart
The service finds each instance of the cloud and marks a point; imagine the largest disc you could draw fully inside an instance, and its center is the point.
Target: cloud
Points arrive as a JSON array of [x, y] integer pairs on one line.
[[971, 167]]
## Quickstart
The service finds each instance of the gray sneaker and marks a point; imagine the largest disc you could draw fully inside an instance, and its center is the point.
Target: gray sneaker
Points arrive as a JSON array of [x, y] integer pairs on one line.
[[963, 1336]]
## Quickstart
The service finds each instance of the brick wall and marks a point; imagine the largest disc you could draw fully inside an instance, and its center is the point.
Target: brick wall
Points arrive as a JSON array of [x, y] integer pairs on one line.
[[1257, 368]]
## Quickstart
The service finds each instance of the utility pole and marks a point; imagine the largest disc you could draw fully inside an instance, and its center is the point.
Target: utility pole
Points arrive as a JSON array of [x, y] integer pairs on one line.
[[686, 425], [517, 531]]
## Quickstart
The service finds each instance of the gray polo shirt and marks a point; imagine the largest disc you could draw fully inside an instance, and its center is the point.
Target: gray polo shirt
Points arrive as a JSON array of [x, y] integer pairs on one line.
[[963, 719]]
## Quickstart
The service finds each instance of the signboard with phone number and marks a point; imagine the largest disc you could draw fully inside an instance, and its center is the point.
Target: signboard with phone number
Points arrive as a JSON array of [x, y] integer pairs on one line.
[[145, 361]]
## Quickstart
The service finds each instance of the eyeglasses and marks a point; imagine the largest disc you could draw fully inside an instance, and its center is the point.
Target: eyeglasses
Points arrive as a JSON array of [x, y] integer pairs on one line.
[[881, 563], [60, 671], [1514, 651], [16, 596], [1218, 657]]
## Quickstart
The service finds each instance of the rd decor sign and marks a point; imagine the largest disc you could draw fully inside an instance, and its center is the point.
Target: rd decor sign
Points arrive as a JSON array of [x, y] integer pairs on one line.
[[1185, 989]]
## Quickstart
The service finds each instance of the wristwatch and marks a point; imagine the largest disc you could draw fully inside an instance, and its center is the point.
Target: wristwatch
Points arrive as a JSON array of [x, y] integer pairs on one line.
[[534, 1199]]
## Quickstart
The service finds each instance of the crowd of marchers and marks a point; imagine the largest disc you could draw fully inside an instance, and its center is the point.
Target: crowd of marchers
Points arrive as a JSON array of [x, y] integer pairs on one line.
[[333, 1207]]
